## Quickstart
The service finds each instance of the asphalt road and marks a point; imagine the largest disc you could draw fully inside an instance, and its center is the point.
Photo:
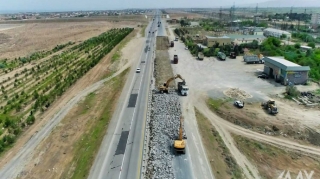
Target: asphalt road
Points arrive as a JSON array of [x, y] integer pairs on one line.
[[120, 155], [181, 163]]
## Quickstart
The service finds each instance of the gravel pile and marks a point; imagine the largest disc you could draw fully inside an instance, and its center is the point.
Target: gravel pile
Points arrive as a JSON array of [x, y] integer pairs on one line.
[[236, 93], [164, 128]]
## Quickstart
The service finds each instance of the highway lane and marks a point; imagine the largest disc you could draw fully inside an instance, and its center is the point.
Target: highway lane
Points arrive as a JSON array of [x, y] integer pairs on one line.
[[120, 154], [181, 163]]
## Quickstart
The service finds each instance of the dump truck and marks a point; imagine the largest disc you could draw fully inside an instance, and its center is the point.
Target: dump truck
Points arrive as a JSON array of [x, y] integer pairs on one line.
[[233, 55], [200, 56], [270, 106], [172, 44], [182, 87], [180, 144], [175, 59], [250, 59], [221, 56]]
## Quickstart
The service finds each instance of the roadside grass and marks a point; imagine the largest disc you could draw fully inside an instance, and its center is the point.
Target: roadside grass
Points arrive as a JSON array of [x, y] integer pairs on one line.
[[222, 163], [143, 29], [318, 91], [117, 54], [215, 104], [87, 148], [271, 161]]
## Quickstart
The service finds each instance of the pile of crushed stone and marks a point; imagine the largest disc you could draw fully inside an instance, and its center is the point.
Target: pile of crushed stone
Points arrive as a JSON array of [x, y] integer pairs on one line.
[[237, 93]]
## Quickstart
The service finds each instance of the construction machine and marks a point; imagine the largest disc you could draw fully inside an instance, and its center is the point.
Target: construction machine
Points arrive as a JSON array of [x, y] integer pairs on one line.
[[270, 106], [164, 88], [180, 144]]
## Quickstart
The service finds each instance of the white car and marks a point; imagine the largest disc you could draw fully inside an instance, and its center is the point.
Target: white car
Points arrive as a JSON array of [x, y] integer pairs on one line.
[[186, 48], [239, 104], [138, 70]]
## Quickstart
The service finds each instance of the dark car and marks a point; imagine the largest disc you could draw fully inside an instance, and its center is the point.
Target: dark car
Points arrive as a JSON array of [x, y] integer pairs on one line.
[[239, 104], [263, 75]]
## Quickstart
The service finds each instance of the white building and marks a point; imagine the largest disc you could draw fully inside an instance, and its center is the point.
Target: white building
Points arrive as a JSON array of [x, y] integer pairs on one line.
[[270, 32], [315, 19]]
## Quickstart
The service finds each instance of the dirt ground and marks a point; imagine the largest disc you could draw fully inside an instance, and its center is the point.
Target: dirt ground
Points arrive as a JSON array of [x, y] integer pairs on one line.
[[272, 161], [215, 77], [162, 62], [129, 54], [28, 38], [176, 14], [211, 78], [221, 161]]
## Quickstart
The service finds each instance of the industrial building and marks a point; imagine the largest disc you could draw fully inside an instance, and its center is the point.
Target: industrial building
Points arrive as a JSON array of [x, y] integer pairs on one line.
[[257, 31], [270, 32], [211, 41], [315, 19], [240, 39], [285, 71]]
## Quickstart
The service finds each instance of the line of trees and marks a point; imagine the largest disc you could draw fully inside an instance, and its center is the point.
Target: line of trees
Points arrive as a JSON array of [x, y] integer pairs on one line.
[[47, 90]]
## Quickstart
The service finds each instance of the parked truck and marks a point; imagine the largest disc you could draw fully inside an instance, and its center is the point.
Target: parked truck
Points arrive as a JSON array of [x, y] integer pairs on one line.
[[250, 59], [221, 56], [233, 55], [200, 56], [172, 44], [183, 88], [175, 59]]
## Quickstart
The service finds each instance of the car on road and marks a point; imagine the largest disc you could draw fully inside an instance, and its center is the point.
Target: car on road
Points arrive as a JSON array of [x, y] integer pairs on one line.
[[263, 75], [239, 104], [138, 70], [186, 48], [148, 49]]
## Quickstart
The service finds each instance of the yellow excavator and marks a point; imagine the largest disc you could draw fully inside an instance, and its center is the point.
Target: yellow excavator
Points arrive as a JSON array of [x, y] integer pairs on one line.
[[180, 144], [164, 88], [270, 106]]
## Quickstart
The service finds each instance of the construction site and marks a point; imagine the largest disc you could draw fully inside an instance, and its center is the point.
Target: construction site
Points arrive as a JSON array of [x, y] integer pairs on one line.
[[266, 121], [150, 106]]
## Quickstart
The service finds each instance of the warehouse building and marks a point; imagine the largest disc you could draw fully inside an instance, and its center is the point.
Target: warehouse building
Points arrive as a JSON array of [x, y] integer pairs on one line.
[[285, 71], [211, 41], [270, 32], [240, 39]]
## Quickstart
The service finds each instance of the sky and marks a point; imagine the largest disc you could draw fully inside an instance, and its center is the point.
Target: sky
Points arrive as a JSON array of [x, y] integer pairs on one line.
[[73, 5], [56, 5]]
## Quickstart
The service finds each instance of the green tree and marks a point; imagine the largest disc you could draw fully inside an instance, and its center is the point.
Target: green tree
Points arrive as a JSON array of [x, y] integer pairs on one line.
[[297, 45], [283, 36], [312, 44]]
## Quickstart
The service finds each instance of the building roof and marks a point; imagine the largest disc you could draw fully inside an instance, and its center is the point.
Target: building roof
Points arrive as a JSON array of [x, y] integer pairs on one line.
[[277, 31], [257, 30], [305, 47], [285, 64], [223, 37], [235, 36], [194, 23]]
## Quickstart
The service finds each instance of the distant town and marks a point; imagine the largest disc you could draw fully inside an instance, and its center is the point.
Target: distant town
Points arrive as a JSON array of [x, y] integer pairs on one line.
[[71, 14]]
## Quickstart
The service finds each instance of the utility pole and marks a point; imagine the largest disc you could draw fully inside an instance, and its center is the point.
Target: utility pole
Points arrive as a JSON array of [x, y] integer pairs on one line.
[[220, 13]]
